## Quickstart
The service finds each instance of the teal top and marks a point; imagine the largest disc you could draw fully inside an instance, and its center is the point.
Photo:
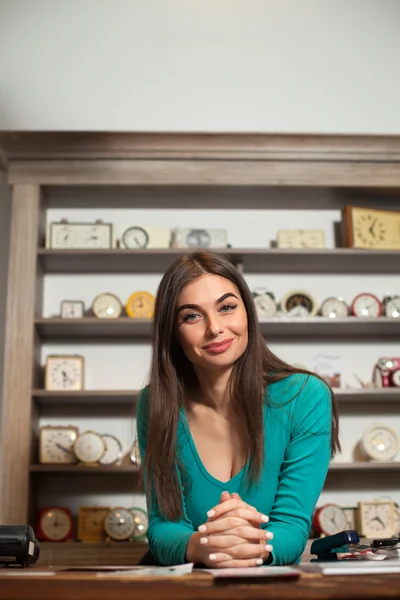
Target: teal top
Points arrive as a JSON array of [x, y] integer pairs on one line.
[[297, 433]]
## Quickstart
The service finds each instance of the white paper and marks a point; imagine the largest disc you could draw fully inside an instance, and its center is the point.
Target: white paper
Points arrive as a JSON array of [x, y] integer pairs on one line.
[[169, 571], [262, 571], [354, 567]]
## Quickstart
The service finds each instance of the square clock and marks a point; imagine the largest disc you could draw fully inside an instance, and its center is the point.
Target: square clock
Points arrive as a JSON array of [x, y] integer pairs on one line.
[[64, 373], [72, 309]]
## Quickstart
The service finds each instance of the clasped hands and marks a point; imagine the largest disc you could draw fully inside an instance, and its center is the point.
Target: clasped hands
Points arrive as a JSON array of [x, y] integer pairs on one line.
[[232, 536]]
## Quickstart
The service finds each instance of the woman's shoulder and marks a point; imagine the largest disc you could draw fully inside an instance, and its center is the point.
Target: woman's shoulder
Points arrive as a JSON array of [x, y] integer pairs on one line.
[[296, 385]]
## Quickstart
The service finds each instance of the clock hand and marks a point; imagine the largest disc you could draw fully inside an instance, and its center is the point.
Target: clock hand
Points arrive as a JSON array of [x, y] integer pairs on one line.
[[68, 450], [371, 229]]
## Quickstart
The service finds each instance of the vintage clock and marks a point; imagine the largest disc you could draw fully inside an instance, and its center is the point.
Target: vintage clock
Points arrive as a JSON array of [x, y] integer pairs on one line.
[[366, 305], [329, 519], [350, 512], [300, 238], [72, 309], [375, 518], [141, 521], [64, 373], [55, 524], [380, 442], [89, 447], [134, 453], [107, 306], [298, 303], [65, 235], [200, 238], [265, 303], [119, 524], [371, 228], [140, 305], [56, 444], [136, 237], [91, 523], [396, 518], [113, 451], [391, 306], [334, 307]]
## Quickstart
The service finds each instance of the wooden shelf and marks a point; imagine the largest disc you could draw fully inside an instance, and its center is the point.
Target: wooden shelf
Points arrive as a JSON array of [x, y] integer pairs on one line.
[[256, 260], [84, 470], [85, 397], [361, 467], [125, 327], [368, 395]]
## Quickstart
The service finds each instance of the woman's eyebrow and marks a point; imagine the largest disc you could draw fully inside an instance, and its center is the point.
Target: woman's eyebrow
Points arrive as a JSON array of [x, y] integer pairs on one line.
[[196, 306]]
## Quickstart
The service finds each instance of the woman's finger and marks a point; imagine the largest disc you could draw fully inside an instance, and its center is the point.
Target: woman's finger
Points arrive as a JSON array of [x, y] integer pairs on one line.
[[228, 540], [232, 504], [236, 496], [243, 513], [230, 522], [235, 563]]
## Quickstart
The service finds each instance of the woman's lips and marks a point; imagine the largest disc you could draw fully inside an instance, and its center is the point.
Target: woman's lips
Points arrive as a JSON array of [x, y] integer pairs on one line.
[[220, 347]]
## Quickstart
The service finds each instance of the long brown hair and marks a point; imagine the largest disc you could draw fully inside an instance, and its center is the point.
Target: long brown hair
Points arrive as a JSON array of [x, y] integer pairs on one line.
[[172, 375]]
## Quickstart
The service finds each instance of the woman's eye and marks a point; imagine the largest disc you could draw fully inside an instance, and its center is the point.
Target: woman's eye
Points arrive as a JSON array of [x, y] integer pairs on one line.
[[228, 308], [189, 318]]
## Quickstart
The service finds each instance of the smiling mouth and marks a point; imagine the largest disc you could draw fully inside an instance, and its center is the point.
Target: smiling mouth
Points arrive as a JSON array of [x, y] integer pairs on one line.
[[219, 345]]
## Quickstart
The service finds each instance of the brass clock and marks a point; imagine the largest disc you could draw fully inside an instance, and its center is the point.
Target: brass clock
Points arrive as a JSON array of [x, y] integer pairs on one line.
[[371, 228]]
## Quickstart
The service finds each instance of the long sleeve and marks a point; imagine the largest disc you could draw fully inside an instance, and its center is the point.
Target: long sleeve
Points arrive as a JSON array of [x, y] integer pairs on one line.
[[167, 539], [303, 472]]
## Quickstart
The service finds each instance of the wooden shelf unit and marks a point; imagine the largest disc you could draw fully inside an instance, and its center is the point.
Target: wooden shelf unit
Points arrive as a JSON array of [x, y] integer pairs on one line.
[[324, 170]]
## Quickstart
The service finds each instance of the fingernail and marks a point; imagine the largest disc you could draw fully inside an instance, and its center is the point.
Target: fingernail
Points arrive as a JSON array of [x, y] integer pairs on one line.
[[202, 528], [264, 518], [204, 540], [269, 548], [269, 535], [224, 492], [259, 561], [212, 556], [211, 513]]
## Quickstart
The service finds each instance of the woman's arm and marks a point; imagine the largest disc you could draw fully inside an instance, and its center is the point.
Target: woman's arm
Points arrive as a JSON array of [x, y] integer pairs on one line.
[[302, 474], [167, 539]]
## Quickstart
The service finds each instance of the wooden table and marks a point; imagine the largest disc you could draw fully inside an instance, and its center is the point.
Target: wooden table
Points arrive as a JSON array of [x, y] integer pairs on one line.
[[196, 586]]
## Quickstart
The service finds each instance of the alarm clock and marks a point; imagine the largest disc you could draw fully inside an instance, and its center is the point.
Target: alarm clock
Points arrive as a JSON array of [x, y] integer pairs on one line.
[[375, 518], [56, 444], [134, 453], [64, 373], [89, 447], [141, 522], [64, 235], [300, 238], [119, 524], [200, 238], [91, 523], [72, 309], [265, 304], [298, 303], [391, 306], [366, 305], [334, 307], [136, 237], [107, 306], [55, 524], [140, 305], [387, 372], [371, 228], [329, 519], [380, 442], [113, 450]]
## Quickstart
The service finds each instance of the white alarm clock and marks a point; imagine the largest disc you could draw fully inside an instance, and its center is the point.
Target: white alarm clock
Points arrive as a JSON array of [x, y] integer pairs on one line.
[[380, 442]]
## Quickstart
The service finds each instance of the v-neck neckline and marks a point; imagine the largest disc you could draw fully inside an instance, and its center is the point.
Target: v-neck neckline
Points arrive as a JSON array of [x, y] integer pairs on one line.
[[207, 475]]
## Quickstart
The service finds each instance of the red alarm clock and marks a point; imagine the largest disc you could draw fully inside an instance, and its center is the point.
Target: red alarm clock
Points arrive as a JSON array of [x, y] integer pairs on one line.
[[55, 524], [387, 372], [366, 305], [329, 519]]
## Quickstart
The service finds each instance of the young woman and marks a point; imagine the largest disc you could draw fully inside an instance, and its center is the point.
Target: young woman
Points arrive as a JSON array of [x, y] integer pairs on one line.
[[235, 443]]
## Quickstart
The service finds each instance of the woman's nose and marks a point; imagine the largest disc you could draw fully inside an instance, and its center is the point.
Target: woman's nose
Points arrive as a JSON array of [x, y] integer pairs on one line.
[[214, 327]]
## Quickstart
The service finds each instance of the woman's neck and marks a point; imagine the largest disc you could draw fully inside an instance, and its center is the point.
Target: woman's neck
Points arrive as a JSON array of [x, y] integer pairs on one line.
[[214, 389]]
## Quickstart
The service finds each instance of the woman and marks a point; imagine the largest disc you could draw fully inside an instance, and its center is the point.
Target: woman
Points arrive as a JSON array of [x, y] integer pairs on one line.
[[235, 443]]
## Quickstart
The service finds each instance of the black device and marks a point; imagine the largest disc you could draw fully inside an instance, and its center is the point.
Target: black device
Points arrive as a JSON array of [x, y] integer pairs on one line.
[[18, 545], [327, 548], [385, 542]]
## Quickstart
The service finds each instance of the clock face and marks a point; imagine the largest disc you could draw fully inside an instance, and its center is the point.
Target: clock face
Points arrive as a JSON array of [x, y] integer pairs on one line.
[[89, 447], [135, 237], [134, 453], [140, 305], [376, 518], [56, 445], [113, 450], [72, 309], [56, 524], [331, 519], [198, 238], [81, 235], [380, 442], [334, 307], [91, 522], [369, 230], [119, 524], [107, 306], [350, 512], [265, 306], [64, 373], [301, 239], [141, 522], [366, 305], [392, 307], [299, 304]]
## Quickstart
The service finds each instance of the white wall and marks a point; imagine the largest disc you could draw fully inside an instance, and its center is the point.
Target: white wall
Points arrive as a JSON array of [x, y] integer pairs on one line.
[[203, 65], [255, 65]]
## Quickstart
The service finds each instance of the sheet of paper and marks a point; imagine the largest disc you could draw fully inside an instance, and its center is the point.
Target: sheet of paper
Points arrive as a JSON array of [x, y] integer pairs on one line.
[[172, 571], [14, 572], [354, 567], [254, 572]]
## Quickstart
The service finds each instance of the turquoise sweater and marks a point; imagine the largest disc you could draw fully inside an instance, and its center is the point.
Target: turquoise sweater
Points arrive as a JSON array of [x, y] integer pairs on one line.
[[297, 454]]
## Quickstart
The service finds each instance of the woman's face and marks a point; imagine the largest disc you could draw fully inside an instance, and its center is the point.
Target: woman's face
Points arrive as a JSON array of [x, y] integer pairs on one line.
[[211, 322]]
